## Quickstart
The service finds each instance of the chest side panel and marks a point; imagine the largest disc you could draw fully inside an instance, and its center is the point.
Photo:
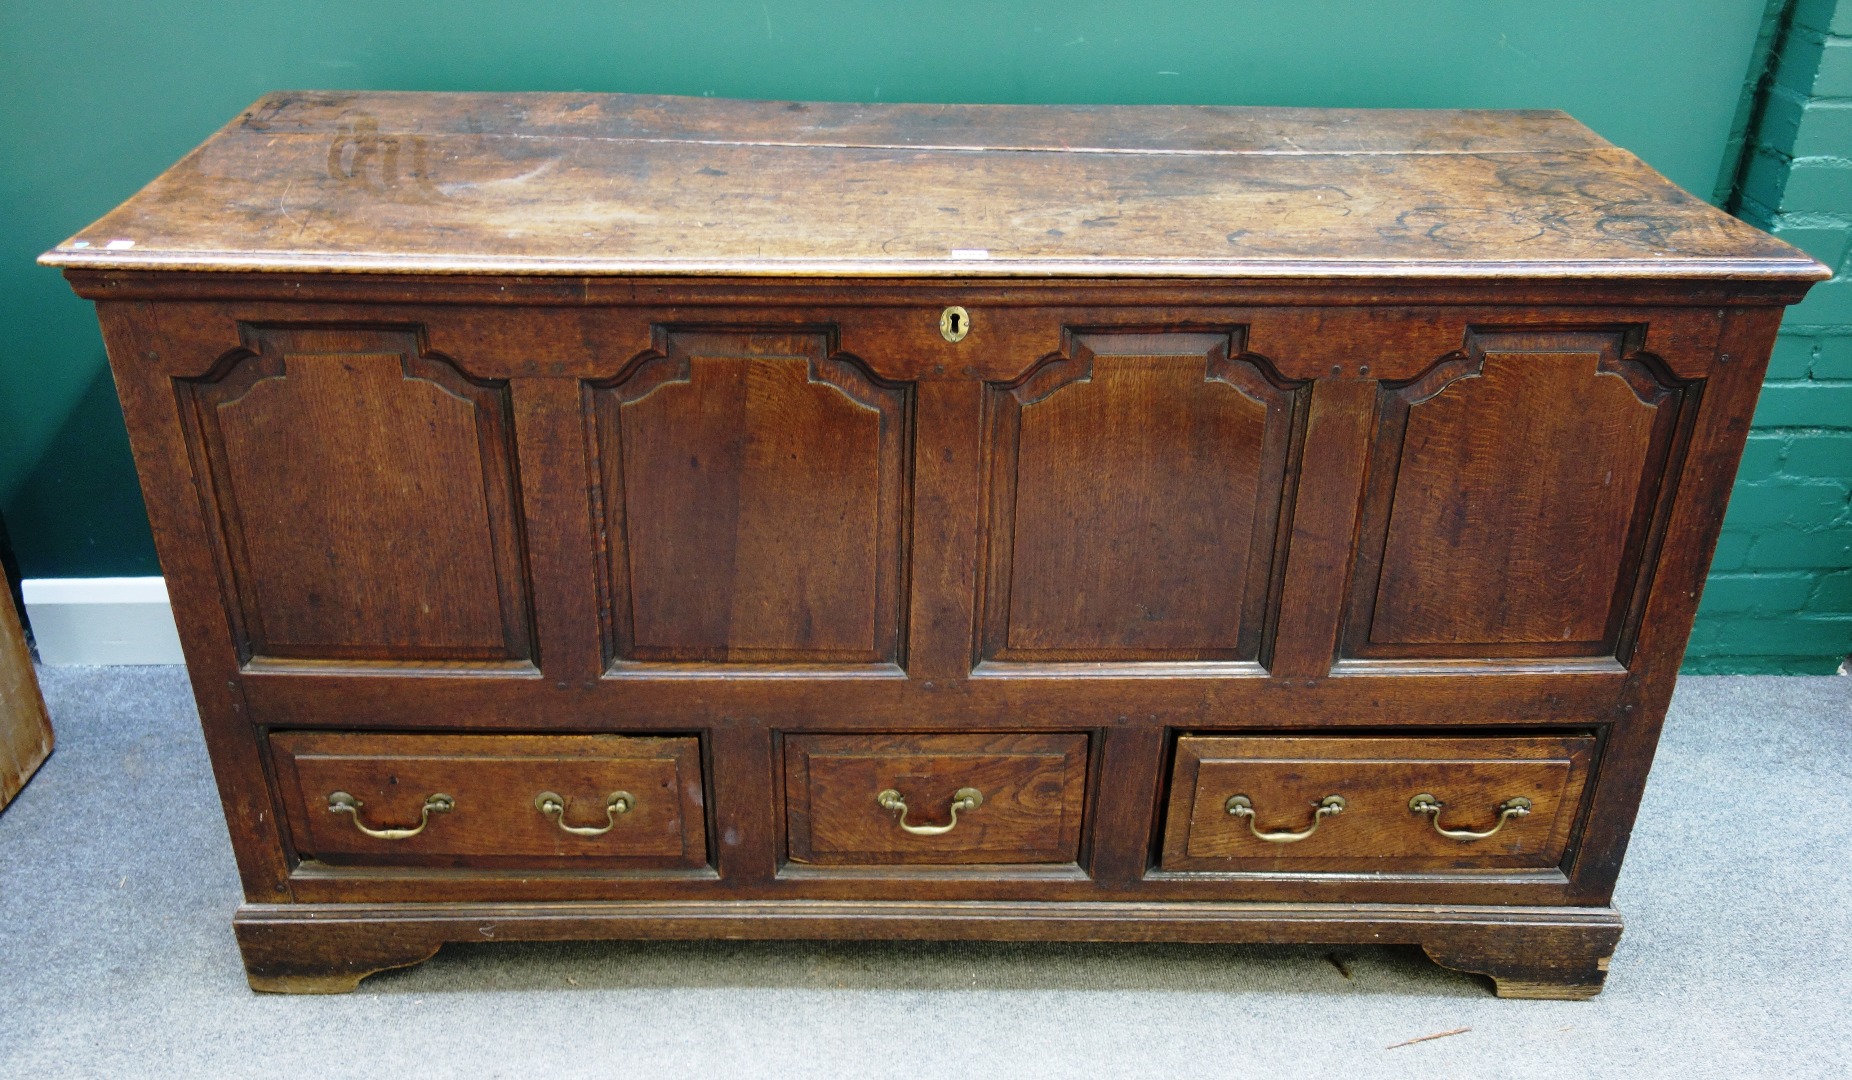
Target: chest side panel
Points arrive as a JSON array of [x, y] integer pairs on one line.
[[1517, 490], [364, 495], [751, 497]]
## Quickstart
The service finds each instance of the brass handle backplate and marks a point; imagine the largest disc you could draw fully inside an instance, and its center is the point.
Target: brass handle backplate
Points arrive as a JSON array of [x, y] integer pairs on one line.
[[1424, 803], [1241, 806], [551, 804], [966, 799], [340, 802]]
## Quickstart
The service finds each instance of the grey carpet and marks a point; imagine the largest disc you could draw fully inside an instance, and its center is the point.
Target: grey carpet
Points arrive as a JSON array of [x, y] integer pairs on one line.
[[117, 959]]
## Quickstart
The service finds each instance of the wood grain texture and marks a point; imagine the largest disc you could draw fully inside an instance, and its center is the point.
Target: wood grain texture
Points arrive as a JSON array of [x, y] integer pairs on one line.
[[25, 728], [365, 492], [1034, 789], [591, 183], [1401, 438], [1323, 527], [1515, 488], [753, 502], [1707, 474], [560, 530], [141, 341], [1137, 483], [493, 781], [1285, 778], [947, 522], [1453, 695], [1545, 952], [592, 331]]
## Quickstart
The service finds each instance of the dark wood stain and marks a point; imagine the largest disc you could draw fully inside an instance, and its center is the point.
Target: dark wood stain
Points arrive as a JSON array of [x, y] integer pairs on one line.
[[1516, 486], [493, 781], [1285, 778], [367, 497], [496, 444], [599, 184], [1139, 483], [1033, 786], [25, 728], [752, 502]]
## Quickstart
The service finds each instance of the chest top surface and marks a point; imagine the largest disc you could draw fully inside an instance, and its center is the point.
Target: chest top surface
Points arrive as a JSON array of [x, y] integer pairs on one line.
[[608, 184]]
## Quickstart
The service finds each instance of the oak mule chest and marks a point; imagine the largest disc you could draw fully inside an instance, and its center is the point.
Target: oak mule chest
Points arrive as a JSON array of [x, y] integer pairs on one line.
[[598, 516]]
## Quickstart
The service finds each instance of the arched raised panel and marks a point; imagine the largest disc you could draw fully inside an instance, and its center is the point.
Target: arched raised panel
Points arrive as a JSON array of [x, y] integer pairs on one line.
[[752, 496], [365, 496], [1136, 490], [1515, 490]]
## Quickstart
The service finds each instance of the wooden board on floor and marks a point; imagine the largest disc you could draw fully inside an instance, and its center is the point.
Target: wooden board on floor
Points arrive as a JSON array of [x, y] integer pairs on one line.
[[25, 729]]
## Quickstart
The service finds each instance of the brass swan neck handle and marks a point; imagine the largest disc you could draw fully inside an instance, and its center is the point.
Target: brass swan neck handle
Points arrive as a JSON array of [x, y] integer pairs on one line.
[[554, 806], [965, 799], [1424, 803], [340, 802], [1242, 807]]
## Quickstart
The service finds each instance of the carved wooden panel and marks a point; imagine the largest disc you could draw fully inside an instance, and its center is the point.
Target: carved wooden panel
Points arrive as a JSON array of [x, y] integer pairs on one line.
[[365, 495], [753, 501], [1136, 490], [1515, 490]]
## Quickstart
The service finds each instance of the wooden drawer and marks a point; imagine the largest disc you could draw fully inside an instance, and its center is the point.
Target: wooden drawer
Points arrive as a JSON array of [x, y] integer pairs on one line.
[[1337, 804], [882, 799], [487, 799]]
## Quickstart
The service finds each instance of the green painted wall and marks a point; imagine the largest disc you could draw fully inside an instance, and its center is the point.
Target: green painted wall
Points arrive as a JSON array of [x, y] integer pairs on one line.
[[1780, 592], [96, 98]]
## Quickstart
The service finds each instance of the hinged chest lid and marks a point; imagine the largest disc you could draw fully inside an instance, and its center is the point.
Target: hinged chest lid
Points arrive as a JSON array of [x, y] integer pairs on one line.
[[612, 184]]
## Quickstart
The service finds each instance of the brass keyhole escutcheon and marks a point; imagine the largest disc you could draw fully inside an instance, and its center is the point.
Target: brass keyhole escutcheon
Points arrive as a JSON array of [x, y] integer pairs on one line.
[[954, 324]]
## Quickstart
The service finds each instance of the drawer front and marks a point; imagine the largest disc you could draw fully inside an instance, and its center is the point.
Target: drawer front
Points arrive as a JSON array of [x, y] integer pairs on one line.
[[1347, 804], [530, 800], [858, 800]]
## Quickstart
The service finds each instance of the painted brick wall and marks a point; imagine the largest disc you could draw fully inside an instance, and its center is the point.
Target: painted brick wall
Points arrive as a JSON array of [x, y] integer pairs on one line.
[[1780, 591]]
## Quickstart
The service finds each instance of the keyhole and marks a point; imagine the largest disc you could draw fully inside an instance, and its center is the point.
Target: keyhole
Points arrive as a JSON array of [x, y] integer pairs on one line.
[[954, 324]]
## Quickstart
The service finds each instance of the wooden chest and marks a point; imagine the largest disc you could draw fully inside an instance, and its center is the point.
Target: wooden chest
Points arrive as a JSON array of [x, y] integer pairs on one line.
[[597, 516]]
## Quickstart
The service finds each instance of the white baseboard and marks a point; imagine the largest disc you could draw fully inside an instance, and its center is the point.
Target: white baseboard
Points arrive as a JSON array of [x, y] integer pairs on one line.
[[85, 621]]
